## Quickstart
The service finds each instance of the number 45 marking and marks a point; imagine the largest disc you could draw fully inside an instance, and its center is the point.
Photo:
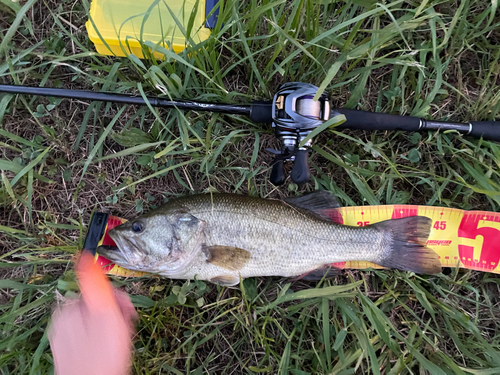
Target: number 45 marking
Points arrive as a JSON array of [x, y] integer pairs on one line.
[[440, 225]]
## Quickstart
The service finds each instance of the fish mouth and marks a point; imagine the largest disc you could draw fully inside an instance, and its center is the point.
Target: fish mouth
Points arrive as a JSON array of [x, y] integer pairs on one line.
[[108, 248], [113, 253], [119, 253]]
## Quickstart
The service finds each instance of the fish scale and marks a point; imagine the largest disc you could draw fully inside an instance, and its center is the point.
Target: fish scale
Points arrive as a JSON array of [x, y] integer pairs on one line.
[[225, 237]]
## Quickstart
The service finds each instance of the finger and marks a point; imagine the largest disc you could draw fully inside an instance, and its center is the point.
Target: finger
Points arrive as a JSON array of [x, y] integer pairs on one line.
[[97, 291]]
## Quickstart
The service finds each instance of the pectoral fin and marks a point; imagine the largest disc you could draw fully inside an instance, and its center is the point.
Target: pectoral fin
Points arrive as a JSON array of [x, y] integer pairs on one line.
[[227, 257], [225, 280]]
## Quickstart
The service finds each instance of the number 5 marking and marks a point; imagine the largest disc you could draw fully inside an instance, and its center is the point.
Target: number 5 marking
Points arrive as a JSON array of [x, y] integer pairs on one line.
[[490, 251]]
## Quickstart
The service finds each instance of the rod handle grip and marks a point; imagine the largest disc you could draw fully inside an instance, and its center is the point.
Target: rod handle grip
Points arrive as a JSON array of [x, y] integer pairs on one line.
[[370, 121], [489, 130]]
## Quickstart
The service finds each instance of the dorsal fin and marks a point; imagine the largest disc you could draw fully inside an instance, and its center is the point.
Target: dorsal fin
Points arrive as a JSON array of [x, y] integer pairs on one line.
[[322, 203]]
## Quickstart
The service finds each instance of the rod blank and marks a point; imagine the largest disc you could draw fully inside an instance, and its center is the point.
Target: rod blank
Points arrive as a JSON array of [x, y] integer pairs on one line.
[[126, 99]]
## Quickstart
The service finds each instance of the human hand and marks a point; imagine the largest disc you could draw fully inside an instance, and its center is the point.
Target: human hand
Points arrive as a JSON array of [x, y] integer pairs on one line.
[[93, 333]]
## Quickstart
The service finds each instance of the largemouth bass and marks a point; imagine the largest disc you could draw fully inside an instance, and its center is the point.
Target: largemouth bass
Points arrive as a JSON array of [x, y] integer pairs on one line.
[[224, 238]]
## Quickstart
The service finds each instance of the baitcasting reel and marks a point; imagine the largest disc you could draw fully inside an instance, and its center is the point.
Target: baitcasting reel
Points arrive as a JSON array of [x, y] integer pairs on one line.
[[295, 114]]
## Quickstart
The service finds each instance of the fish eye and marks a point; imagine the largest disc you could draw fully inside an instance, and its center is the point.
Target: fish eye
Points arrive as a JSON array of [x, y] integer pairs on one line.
[[137, 227]]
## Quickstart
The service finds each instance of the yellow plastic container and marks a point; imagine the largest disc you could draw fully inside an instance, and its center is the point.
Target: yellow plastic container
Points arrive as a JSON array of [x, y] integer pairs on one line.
[[117, 27]]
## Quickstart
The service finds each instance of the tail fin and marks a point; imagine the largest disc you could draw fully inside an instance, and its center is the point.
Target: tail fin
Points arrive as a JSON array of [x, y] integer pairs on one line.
[[408, 251]]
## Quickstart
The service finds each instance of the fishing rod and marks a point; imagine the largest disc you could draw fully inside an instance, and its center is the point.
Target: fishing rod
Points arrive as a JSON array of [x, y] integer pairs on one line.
[[293, 114]]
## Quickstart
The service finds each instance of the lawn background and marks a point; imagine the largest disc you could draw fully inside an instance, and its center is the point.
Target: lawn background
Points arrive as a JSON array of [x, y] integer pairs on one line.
[[63, 159]]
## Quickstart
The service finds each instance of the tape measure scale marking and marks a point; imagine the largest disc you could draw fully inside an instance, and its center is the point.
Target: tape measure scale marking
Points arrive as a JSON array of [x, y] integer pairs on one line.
[[473, 226]]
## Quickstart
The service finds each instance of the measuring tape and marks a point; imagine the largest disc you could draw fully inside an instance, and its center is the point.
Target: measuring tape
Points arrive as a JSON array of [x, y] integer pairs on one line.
[[467, 239]]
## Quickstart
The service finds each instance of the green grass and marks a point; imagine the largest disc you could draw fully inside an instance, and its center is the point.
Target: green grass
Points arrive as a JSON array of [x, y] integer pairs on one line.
[[63, 159]]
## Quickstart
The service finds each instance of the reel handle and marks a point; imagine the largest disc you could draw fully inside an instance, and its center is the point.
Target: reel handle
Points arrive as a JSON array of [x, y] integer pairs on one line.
[[277, 174], [300, 172]]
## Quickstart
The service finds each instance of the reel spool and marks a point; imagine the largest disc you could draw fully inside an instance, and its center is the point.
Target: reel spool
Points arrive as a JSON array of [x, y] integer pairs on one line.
[[295, 114]]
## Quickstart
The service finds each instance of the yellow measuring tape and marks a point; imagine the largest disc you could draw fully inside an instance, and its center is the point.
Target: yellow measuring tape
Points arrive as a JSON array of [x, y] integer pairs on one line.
[[469, 239]]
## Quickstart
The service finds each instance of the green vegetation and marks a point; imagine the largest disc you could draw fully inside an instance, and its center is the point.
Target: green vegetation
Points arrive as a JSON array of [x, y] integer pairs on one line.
[[63, 159]]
